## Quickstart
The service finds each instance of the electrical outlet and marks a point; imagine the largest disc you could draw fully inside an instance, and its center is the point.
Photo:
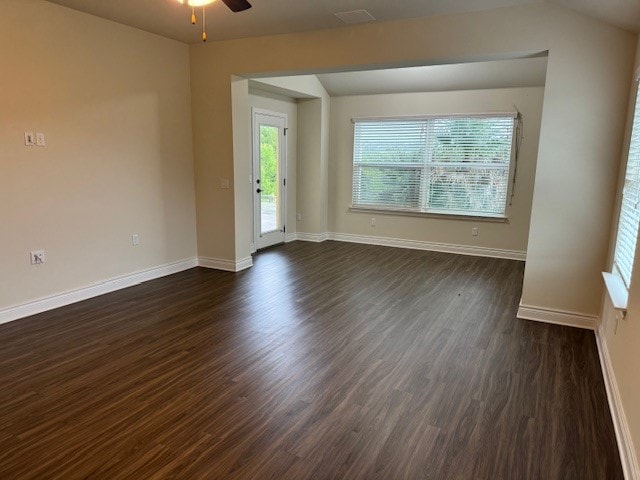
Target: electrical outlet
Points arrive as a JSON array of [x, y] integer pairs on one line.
[[29, 139], [299, 217], [373, 222], [224, 183], [40, 141], [474, 232], [37, 257], [135, 239]]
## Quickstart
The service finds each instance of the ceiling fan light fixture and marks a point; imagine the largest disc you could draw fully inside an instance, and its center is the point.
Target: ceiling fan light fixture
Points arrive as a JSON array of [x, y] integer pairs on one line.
[[199, 3], [233, 5]]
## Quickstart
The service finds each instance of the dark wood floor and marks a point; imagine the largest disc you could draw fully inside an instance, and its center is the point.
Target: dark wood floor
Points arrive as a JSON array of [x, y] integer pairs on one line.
[[323, 361]]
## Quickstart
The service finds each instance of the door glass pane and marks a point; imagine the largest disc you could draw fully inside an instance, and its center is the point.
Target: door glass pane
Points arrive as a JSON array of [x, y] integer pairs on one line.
[[269, 179]]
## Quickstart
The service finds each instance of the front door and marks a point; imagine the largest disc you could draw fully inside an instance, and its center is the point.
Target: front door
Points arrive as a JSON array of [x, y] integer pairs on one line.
[[269, 182]]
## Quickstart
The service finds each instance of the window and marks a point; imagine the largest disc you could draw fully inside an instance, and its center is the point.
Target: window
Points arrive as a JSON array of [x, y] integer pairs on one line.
[[456, 165], [630, 208]]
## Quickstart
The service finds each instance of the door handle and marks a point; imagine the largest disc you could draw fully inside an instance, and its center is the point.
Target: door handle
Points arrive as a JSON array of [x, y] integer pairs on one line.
[[259, 190]]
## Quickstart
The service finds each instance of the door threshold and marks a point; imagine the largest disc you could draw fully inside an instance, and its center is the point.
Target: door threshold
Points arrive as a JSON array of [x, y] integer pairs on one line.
[[258, 250]]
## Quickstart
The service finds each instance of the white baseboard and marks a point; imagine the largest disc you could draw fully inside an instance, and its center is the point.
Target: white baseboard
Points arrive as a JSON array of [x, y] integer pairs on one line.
[[290, 237], [431, 246], [117, 283], [628, 457], [311, 237], [66, 298], [244, 264], [226, 265], [558, 317], [413, 244]]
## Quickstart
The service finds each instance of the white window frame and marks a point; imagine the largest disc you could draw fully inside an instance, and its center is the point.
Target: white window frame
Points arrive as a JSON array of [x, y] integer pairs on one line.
[[425, 166], [619, 281]]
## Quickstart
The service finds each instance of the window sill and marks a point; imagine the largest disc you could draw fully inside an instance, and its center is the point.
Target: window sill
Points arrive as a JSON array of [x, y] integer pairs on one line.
[[617, 291], [409, 213]]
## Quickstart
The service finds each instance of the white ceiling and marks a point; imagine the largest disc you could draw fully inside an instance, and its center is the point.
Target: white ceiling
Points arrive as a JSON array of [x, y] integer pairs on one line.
[[623, 13], [171, 19], [524, 72]]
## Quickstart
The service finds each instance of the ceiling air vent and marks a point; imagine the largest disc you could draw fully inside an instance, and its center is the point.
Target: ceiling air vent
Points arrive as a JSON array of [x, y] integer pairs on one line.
[[355, 16]]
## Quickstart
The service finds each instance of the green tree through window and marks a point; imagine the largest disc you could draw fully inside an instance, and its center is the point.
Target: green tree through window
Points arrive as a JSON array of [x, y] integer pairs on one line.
[[269, 159]]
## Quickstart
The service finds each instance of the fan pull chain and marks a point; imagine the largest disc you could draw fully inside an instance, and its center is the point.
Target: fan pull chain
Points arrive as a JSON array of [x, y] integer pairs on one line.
[[204, 25], [193, 15]]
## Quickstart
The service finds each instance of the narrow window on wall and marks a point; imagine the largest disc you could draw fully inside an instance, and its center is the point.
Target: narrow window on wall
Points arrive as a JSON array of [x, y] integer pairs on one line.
[[627, 235], [448, 165]]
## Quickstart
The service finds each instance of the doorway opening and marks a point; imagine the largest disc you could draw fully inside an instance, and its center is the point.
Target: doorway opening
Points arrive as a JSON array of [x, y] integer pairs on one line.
[[269, 177]]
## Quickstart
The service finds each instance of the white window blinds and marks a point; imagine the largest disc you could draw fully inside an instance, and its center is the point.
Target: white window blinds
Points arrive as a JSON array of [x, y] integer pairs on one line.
[[450, 165], [630, 209]]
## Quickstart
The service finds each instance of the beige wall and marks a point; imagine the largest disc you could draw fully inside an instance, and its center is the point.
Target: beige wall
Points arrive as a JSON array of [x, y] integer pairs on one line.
[[288, 106], [580, 139], [114, 103], [313, 176], [298, 86], [505, 236], [622, 336], [243, 232]]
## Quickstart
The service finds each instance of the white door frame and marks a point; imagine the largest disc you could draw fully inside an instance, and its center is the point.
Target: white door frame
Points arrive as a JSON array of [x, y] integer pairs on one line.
[[280, 121]]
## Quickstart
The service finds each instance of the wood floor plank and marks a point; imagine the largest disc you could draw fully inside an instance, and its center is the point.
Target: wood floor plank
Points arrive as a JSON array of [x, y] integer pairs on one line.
[[322, 361]]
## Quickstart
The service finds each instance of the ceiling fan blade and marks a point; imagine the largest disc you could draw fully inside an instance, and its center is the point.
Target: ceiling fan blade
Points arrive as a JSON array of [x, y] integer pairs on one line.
[[237, 5]]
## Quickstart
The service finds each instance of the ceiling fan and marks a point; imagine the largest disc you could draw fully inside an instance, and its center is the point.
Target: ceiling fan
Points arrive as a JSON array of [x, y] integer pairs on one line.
[[234, 6]]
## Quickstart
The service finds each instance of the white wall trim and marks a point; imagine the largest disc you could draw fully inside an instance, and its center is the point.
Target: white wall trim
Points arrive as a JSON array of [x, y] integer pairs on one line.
[[412, 244], [558, 317], [225, 265], [94, 290], [290, 237], [628, 458], [312, 237], [431, 246], [244, 264]]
